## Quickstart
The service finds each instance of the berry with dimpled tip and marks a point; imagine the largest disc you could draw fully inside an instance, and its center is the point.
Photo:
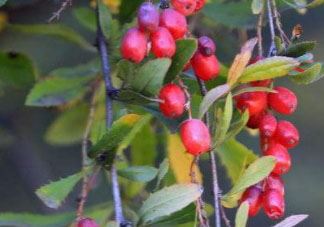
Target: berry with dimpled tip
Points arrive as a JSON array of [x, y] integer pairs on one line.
[[267, 125], [148, 17], [163, 44], [205, 68], [185, 7], [195, 136], [134, 45], [283, 160], [284, 101], [175, 22], [286, 134], [253, 195], [274, 182], [206, 46], [173, 99], [199, 5], [273, 204], [254, 102], [87, 222]]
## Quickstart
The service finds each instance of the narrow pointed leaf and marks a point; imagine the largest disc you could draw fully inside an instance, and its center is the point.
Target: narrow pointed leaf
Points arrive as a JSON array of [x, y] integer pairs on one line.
[[239, 122], [163, 170], [310, 75], [257, 6], [138, 173], [86, 17], [292, 221], [299, 49], [242, 215]]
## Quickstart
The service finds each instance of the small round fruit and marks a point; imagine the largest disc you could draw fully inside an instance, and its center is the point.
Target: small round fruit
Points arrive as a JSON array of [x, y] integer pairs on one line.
[[205, 68], [206, 46], [148, 17], [273, 204], [274, 182], [261, 83], [254, 120], [199, 5], [195, 136], [283, 160], [185, 7], [268, 125], [87, 222], [254, 102], [173, 99], [134, 45], [284, 101], [287, 134], [253, 195], [163, 44], [175, 22]]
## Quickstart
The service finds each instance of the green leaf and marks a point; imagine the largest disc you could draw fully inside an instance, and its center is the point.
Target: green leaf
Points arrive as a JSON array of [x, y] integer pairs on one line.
[[315, 3], [212, 96], [167, 201], [126, 71], [310, 75], [132, 97], [257, 6], [185, 50], [128, 9], [268, 68], [2, 2], [139, 173], [239, 122], [105, 19], [279, 44], [299, 49], [56, 30], [163, 170], [292, 221], [86, 17], [242, 215], [54, 193], [16, 70], [69, 127], [254, 89]]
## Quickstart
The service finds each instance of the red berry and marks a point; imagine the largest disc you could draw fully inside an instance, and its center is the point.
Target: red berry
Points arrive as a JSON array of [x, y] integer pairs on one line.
[[254, 120], [253, 195], [268, 125], [254, 102], [134, 45], [256, 59], [261, 83], [286, 134], [205, 68], [283, 160], [274, 182], [195, 136], [284, 101], [273, 204], [163, 44], [199, 5], [148, 17], [186, 7], [87, 222], [299, 69], [206, 46], [174, 100], [175, 22]]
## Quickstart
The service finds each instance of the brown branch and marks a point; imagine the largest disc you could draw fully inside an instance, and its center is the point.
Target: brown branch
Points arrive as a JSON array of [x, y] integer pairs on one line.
[[276, 16], [259, 33], [226, 220], [56, 15], [272, 49]]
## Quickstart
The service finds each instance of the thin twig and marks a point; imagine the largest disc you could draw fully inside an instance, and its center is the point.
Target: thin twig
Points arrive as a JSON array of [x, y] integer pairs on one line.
[[272, 49], [56, 15], [276, 14], [188, 96], [259, 33], [226, 220]]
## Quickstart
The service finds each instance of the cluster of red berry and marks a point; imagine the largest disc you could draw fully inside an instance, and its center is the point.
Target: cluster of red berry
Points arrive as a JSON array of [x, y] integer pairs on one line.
[[275, 138]]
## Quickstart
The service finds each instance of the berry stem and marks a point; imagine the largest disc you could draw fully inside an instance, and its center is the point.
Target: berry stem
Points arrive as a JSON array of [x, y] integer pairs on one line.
[[272, 49], [56, 15], [259, 33], [188, 96], [276, 14]]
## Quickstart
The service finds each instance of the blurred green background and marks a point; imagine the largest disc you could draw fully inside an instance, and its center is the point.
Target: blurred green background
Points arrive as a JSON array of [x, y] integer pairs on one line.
[[27, 161]]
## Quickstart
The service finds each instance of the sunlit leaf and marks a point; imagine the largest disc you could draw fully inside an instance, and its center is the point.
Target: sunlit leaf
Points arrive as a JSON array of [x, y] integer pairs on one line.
[[242, 215]]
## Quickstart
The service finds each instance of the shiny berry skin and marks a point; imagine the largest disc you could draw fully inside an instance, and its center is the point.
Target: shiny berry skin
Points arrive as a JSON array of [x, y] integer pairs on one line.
[[254, 102], [253, 195], [283, 160], [287, 134], [87, 222], [175, 22], [274, 182], [284, 101], [254, 120], [261, 83], [267, 125], [185, 7], [163, 44], [273, 204], [206, 46], [134, 45], [199, 5], [205, 68], [148, 17], [174, 100], [195, 136]]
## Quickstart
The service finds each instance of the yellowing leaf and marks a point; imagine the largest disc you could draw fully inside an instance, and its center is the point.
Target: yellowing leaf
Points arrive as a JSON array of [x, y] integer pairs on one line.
[[180, 160]]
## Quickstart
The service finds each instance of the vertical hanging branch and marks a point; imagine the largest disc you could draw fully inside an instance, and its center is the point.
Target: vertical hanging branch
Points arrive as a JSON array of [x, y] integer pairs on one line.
[[272, 49], [259, 33]]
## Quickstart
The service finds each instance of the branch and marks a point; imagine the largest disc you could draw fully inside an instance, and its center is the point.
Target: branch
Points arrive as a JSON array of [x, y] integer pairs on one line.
[[56, 15], [283, 35], [259, 33], [272, 49]]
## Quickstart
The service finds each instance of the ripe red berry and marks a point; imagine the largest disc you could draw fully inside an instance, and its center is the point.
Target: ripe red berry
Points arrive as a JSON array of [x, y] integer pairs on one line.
[[261, 83], [286, 134], [195, 136], [256, 59], [268, 125], [253, 195], [185, 7], [205, 68], [163, 44], [273, 204], [175, 22], [87, 222], [254, 102], [283, 160], [134, 45], [148, 17], [284, 101], [206, 46], [199, 5], [274, 182], [174, 100], [254, 120]]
